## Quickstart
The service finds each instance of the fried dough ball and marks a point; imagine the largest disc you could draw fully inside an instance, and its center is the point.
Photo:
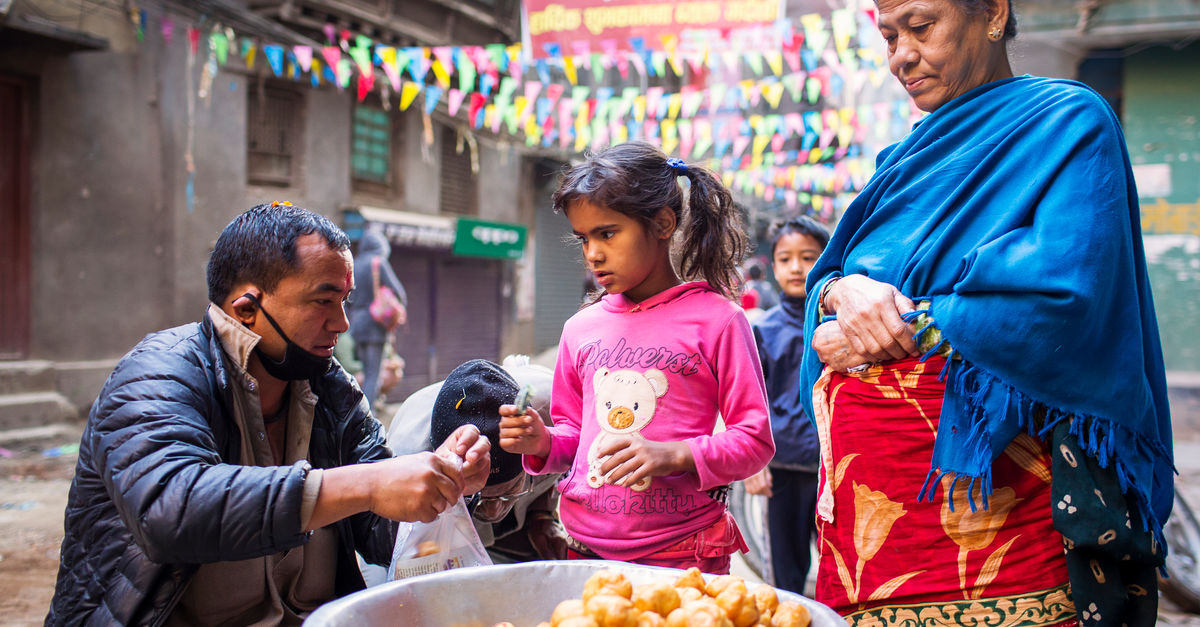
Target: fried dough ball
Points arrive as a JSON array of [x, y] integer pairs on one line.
[[765, 599], [611, 610], [738, 604], [691, 578], [650, 619], [607, 582], [659, 598], [717, 585], [428, 547], [790, 614], [702, 613], [688, 593], [565, 610]]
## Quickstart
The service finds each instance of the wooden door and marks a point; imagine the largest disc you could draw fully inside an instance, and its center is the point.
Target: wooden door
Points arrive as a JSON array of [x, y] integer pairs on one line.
[[14, 218]]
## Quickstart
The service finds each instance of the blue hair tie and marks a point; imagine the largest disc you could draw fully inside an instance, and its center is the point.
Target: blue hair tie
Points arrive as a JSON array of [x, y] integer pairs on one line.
[[678, 165]]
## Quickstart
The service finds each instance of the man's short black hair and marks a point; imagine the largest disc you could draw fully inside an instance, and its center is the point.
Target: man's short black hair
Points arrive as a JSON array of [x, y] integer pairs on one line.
[[259, 247]]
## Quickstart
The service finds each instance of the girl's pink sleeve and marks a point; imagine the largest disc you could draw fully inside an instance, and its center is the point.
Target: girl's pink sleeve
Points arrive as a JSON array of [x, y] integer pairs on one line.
[[746, 444], [566, 408]]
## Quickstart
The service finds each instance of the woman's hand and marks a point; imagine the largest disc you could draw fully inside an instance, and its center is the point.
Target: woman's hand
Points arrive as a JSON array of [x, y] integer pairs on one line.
[[868, 311], [629, 459], [759, 483], [834, 349], [524, 434]]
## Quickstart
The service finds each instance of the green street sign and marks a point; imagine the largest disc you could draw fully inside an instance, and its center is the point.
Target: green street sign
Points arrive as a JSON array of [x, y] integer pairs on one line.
[[496, 240]]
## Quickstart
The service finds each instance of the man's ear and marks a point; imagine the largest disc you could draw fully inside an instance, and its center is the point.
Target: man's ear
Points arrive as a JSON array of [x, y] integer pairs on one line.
[[665, 222], [243, 308]]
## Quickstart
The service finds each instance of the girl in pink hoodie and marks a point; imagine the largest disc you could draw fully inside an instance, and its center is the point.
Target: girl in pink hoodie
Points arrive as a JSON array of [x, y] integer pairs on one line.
[[644, 371]]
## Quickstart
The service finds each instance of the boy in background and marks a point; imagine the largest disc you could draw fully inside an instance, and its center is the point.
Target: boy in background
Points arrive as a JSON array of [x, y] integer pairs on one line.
[[790, 480]]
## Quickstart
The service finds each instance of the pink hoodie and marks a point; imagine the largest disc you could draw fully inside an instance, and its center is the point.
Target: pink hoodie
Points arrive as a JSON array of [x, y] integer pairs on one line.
[[664, 368]]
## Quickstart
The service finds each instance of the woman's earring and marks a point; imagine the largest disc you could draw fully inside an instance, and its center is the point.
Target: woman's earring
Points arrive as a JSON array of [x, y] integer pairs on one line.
[[995, 34]]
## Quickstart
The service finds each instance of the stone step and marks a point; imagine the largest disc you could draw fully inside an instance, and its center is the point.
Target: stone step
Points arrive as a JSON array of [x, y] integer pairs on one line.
[[35, 409], [18, 377], [37, 438]]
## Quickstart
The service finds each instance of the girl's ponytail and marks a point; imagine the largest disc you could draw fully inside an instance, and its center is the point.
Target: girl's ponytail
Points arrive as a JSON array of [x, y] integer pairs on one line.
[[713, 242]]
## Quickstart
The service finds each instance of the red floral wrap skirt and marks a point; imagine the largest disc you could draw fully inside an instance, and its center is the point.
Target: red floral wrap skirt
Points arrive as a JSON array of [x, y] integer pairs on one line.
[[887, 558]]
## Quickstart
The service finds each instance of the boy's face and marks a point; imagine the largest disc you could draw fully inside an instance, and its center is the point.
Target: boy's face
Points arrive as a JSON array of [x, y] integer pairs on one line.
[[795, 254]]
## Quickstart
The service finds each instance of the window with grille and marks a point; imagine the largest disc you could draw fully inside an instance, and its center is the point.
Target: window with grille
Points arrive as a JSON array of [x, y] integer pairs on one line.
[[273, 136], [371, 147], [459, 191]]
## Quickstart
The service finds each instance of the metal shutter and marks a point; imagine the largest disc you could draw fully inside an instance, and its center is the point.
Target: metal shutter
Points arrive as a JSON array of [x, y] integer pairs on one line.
[[469, 304], [414, 268]]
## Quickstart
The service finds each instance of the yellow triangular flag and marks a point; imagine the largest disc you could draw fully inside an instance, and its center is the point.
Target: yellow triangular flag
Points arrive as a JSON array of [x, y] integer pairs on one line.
[[569, 69], [408, 93]]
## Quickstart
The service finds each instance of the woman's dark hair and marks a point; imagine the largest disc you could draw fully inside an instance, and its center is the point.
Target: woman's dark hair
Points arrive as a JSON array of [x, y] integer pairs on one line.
[[259, 247], [803, 225], [975, 7], [635, 179]]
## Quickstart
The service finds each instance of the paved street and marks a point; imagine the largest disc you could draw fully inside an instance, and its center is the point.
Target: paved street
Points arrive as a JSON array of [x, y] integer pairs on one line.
[[35, 475]]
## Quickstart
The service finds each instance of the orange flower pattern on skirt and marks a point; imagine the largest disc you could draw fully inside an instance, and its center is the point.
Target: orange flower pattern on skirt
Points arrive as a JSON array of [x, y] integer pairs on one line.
[[883, 554]]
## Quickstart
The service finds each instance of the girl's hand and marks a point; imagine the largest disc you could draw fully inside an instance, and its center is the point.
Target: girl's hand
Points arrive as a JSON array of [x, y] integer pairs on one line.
[[834, 349], [869, 313], [630, 458], [759, 483], [524, 434]]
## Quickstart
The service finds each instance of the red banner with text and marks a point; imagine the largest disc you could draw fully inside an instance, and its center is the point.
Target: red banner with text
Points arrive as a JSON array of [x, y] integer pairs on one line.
[[556, 27]]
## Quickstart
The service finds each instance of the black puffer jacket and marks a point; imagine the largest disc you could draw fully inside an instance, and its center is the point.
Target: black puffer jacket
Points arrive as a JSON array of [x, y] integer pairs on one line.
[[158, 489]]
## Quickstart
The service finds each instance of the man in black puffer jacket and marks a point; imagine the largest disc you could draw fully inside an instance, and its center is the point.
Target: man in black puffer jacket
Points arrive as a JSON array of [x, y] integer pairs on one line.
[[223, 473]]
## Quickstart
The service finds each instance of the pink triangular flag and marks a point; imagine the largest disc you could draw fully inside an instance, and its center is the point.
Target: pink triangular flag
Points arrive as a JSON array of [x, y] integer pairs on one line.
[[454, 100], [303, 56]]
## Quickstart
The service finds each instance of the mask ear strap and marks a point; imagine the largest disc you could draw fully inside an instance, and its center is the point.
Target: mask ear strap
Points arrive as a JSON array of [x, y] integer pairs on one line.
[[258, 304]]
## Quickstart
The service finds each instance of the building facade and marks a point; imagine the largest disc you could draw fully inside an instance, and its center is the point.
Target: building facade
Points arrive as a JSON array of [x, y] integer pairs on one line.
[[122, 156]]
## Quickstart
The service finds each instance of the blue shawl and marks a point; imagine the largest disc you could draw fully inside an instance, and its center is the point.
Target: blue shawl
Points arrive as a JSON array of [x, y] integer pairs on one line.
[[1012, 208]]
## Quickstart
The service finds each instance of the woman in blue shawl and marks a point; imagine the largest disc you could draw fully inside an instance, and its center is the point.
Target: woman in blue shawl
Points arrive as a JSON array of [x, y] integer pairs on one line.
[[986, 369]]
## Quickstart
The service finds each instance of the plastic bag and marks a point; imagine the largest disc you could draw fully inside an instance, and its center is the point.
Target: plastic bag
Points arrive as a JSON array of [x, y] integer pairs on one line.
[[450, 541]]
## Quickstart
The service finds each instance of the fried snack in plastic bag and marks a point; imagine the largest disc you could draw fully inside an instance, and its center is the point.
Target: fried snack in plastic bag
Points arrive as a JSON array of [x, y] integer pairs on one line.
[[450, 541]]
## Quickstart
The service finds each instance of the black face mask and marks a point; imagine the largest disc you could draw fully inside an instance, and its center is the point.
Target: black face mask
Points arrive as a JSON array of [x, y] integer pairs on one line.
[[297, 364]]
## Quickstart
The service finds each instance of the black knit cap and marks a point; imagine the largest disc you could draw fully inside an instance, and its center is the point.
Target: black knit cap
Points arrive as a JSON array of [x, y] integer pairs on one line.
[[473, 394]]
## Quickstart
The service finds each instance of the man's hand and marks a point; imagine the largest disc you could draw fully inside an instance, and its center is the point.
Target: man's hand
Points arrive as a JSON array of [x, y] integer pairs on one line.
[[834, 350], [869, 313], [759, 483], [524, 434], [629, 459], [466, 445], [409, 487], [546, 535], [414, 487]]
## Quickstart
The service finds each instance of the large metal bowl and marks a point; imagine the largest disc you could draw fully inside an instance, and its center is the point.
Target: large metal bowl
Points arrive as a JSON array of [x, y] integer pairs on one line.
[[524, 594]]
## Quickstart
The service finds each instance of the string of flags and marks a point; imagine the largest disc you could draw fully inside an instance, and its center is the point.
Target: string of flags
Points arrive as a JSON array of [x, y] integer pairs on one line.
[[783, 125]]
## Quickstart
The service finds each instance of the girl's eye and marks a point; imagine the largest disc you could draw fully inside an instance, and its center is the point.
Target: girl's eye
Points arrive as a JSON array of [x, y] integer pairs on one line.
[[608, 234], [608, 405], [635, 406]]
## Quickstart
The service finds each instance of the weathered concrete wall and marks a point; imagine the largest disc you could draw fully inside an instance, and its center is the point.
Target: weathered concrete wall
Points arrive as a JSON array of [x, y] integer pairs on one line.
[[100, 248]]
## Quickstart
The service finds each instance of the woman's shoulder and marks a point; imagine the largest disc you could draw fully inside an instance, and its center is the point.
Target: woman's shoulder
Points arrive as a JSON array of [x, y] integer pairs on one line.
[[1064, 92]]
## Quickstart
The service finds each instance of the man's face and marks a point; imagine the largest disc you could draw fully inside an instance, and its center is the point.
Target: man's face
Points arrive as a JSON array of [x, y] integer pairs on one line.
[[309, 304]]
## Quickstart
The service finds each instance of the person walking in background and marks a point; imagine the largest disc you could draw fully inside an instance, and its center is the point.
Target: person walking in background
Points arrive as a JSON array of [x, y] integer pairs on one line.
[[991, 389], [372, 273], [643, 371], [790, 480], [767, 296]]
